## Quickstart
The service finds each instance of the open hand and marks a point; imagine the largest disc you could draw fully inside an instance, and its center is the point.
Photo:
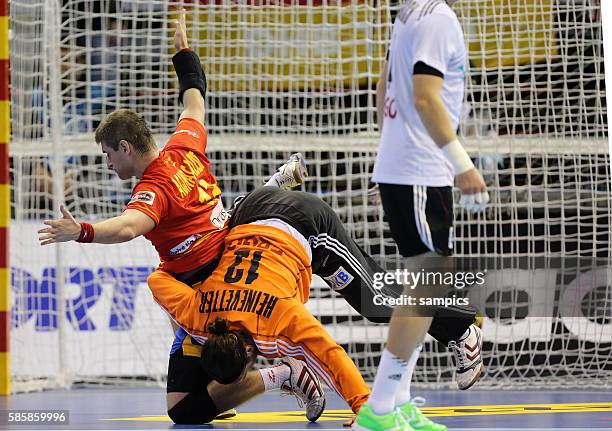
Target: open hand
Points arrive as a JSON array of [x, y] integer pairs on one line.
[[180, 32], [60, 230]]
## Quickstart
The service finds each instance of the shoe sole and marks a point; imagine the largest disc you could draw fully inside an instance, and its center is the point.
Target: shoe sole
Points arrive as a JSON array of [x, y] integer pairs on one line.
[[474, 380], [228, 414], [356, 427], [296, 175], [321, 412], [480, 371], [319, 388], [314, 377]]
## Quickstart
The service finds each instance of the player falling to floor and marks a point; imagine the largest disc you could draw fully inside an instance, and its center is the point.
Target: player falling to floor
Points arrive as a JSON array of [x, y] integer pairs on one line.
[[419, 98], [277, 240], [176, 205]]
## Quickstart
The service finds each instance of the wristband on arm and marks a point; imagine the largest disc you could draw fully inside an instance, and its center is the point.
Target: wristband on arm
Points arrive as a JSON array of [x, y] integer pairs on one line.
[[458, 157], [87, 233], [189, 72]]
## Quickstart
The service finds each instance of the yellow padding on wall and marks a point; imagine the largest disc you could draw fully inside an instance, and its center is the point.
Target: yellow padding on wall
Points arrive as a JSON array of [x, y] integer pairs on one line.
[[5, 121], [5, 374], [4, 289], [5, 204], [4, 44]]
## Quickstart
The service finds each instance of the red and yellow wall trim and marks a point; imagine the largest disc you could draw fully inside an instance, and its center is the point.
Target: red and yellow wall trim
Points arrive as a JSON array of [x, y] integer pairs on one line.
[[5, 204]]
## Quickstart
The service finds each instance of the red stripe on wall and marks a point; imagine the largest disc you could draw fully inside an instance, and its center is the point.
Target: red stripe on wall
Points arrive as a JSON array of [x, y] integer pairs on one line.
[[4, 245], [4, 335], [4, 11], [4, 84]]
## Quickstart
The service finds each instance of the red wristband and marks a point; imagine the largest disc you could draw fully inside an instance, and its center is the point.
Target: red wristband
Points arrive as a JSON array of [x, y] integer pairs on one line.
[[87, 233]]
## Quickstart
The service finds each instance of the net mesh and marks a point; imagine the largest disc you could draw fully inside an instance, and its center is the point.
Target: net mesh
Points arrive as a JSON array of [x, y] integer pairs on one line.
[[286, 76]]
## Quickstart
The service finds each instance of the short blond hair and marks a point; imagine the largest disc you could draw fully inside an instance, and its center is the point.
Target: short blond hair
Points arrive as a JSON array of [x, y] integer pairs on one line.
[[125, 124]]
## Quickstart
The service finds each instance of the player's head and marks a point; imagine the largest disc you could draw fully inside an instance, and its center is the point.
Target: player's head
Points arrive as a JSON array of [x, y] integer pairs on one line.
[[124, 136], [227, 354]]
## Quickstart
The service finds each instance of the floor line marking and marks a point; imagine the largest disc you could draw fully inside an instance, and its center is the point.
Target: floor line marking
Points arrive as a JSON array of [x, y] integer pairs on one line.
[[452, 411]]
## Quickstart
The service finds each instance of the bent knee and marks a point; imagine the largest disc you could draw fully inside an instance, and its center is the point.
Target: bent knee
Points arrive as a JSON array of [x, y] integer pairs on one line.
[[195, 408]]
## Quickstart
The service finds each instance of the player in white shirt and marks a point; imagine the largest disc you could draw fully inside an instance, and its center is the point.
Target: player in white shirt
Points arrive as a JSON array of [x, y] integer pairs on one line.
[[419, 99]]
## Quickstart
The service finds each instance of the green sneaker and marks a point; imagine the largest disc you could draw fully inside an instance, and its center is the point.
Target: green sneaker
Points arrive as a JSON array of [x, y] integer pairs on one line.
[[367, 420], [417, 420]]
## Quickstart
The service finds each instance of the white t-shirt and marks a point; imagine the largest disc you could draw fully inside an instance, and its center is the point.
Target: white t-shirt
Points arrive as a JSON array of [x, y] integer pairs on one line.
[[427, 31]]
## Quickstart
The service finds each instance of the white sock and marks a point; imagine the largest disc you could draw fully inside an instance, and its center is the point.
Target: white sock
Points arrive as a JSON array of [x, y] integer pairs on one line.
[[388, 377], [402, 396], [273, 377], [272, 181]]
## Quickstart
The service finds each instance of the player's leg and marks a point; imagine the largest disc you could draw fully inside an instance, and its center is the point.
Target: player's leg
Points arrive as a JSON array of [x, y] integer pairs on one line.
[[194, 398], [291, 376], [422, 233], [421, 221], [289, 175], [187, 397], [390, 401], [213, 401], [407, 329]]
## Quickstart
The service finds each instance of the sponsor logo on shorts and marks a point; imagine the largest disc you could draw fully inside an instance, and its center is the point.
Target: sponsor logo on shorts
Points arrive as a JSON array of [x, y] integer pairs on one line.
[[339, 279], [184, 246], [144, 197], [219, 216]]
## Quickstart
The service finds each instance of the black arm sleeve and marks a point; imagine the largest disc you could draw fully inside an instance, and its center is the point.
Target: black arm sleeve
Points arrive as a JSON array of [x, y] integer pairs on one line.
[[423, 69], [189, 72]]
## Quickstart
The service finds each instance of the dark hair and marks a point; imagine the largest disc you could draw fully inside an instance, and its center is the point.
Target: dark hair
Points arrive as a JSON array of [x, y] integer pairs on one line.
[[127, 125], [224, 356]]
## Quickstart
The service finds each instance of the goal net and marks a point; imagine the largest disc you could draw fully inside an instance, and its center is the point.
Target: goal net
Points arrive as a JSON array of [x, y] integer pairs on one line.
[[300, 75]]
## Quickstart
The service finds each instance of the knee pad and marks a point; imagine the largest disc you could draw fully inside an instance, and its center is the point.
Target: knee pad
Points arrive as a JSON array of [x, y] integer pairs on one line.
[[379, 319], [195, 408]]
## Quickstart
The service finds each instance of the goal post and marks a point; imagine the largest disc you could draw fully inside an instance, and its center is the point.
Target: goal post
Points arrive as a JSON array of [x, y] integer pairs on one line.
[[300, 75]]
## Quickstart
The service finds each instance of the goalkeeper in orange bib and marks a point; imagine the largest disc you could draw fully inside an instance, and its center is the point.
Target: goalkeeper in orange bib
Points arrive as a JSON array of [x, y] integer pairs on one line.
[[278, 239]]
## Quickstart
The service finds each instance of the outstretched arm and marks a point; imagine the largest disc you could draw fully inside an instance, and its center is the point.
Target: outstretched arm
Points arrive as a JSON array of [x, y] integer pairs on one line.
[[192, 80], [127, 226]]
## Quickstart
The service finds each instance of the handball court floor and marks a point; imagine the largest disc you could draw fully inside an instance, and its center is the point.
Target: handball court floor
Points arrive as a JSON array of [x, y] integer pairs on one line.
[[144, 409]]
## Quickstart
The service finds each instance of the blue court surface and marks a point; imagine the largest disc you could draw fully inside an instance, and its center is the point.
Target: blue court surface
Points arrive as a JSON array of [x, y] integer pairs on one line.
[[144, 409]]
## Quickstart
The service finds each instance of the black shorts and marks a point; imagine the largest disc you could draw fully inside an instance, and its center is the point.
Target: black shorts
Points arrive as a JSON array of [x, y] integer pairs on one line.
[[185, 372], [420, 217]]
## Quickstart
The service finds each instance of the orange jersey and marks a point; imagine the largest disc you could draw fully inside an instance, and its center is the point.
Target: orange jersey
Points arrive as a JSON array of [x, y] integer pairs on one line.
[[178, 191], [260, 286]]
